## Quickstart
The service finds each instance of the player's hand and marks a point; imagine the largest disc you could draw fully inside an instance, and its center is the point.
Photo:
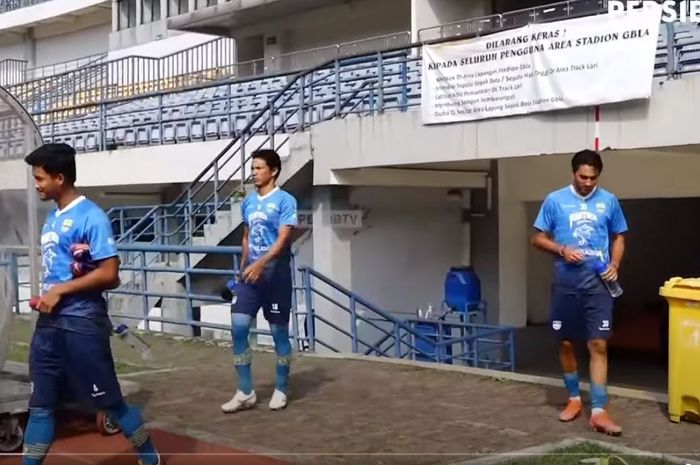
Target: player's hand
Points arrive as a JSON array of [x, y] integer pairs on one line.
[[610, 274], [253, 272], [572, 255], [49, 301]]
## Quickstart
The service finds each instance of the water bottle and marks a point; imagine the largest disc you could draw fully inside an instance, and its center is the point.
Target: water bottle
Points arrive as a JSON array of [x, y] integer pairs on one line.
[[135, 342], [613, 286], [229, 292]]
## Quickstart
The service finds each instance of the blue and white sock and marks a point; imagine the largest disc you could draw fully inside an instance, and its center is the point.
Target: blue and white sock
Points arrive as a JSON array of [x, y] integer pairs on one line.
[[131, 423], [571, 381], [283, 349], [599, 398], [38, 437], [242, 355]]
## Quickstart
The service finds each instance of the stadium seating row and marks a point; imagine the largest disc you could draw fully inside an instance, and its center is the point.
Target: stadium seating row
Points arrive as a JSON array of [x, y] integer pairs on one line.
[[223, 110]]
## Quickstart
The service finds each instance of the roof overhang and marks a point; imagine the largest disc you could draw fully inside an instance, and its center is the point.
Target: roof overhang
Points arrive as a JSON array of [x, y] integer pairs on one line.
[[18, 22], [226, 18]]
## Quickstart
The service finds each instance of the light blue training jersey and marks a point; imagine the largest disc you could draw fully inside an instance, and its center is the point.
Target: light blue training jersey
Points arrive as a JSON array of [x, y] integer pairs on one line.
[[583, 223], [264, 216], [81, 222]]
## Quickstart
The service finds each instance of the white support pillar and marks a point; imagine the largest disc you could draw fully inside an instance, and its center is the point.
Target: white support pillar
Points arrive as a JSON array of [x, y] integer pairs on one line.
[[333, 258], [512, 254], [115, 15], [139, 12]]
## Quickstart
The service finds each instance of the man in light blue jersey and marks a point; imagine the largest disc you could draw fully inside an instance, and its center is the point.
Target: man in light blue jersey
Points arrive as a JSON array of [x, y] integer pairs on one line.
[[70, 351], [269, 216], [583, 226]]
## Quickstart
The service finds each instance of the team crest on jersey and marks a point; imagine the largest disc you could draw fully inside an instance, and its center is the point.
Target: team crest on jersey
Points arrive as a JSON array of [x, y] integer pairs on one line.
[[271, 207], [600, 206], [66, 225]]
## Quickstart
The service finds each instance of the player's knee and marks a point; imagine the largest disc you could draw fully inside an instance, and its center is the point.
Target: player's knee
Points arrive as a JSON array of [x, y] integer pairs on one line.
[[598, 347], [280, 335], [240, 330], [566, 346]]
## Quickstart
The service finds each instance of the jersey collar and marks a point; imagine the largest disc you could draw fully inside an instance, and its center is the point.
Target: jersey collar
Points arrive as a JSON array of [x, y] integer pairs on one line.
[[579, 196], [263, 197], [70, 205]]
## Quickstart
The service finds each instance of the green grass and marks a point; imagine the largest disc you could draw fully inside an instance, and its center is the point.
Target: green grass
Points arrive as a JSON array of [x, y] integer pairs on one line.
[[586, 453]]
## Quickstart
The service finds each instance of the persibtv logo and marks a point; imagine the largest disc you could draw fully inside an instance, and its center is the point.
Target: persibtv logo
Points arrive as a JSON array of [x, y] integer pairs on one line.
[[685, 11]]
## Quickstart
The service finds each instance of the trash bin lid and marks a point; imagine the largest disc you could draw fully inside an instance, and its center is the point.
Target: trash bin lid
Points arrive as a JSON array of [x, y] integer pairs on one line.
[[681, 288]]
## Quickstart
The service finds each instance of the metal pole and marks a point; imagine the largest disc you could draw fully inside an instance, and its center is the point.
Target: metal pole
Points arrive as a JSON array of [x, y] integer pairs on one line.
[[32, 211]]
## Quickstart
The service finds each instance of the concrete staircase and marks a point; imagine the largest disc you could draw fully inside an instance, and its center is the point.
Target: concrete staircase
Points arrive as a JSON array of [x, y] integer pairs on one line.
[[226, 229]]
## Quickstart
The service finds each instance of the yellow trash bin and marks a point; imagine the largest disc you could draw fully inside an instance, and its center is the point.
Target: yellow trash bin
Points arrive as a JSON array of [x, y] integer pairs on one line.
[[683, 296]]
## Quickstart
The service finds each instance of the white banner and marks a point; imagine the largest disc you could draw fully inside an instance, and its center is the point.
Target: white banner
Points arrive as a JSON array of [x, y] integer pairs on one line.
[[542, 67]]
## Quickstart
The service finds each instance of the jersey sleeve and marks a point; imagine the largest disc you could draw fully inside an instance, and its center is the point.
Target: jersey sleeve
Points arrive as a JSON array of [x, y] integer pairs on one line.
[[618, 222], [99, 235], [545, 218], [288, 211], [243, 207]]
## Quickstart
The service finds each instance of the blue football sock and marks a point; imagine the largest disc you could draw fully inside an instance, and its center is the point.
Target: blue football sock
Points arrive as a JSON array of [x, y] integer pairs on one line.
[[599, 396], [571, 382], [38, 437], [131, 423], [283, 348], [242, 356]]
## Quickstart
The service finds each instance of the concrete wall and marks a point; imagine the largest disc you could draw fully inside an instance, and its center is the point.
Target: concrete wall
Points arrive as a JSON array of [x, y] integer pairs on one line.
[[343, 23], [44, 11], [165, 164], [71, 44], [322, 27], [429, 13], [62, 40], [398, 138], [409, 240]]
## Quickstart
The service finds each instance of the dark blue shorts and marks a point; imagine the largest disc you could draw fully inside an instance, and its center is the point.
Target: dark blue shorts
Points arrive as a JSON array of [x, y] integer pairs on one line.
[[581, 315], [273, 292], [72, 367]]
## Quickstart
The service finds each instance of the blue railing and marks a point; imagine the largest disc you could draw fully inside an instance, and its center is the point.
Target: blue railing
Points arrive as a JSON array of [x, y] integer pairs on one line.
[[222, 182], [139, 264], [454, 342]]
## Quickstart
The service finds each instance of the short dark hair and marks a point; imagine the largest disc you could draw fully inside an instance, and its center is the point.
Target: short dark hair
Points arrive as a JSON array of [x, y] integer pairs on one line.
[[587, 157], [55, 159], [271, 157]]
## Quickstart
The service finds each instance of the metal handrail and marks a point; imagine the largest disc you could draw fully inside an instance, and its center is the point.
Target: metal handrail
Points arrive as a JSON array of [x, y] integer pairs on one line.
[[155, 73], [402, 328], [404, 333]]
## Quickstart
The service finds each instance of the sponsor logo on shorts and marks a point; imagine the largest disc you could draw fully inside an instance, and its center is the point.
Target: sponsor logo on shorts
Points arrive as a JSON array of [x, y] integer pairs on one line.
[[556, 324], [96, 391], [604, 325]]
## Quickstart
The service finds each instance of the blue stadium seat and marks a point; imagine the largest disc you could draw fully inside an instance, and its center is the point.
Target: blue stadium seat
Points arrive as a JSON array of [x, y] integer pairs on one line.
[[169, 133]]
